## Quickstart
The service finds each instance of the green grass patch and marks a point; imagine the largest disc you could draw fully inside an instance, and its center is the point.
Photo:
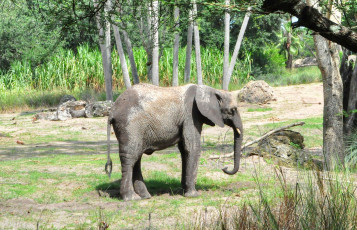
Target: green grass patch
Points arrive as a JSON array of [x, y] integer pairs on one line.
[[259, 109], [296, 76]]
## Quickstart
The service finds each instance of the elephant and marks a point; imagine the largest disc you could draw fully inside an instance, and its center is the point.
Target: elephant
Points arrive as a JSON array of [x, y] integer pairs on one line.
[[147, 118]]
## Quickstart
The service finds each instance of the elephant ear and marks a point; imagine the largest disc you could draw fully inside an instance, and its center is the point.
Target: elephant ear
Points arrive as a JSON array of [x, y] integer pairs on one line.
[[208, 101]]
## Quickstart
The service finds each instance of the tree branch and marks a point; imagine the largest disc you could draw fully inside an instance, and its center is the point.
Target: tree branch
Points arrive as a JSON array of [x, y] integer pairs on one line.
[[311, 18], [259, 139]]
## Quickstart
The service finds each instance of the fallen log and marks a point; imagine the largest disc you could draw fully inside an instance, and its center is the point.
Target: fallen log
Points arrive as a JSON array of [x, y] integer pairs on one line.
[[257, 140]]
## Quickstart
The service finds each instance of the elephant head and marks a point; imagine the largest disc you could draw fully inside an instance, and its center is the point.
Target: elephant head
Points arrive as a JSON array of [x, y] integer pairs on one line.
[[220, 108]]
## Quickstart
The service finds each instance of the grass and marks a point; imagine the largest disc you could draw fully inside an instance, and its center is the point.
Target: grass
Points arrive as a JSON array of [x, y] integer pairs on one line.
[[351, 150], [302, 75], [65, 186], [84, 70], [316, 200], [55, 180], [259, 109]]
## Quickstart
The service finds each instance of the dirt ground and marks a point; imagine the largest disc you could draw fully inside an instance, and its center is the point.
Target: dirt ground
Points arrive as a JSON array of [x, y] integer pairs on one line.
[[22, 137]]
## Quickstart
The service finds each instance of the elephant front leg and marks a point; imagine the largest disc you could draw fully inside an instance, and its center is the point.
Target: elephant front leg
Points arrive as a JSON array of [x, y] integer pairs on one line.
[[190, 155], [138, 181], [126, 186]]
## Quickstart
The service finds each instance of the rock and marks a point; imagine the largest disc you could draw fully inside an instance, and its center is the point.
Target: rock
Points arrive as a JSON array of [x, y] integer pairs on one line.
[[284, 148], [71, 109], [52, 116], [66, 98], [308, 61], [258, 92], [98, 109], [74, 109], [65, 111]]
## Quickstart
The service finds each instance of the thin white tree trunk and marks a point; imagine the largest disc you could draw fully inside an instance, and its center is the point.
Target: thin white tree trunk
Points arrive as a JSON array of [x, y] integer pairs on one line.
[[188, 49], [105, 48], [129, 49], [226, 45], [197, 46], [328, 61], [236, 49], [176, 48], [155, 50], [120, 50]]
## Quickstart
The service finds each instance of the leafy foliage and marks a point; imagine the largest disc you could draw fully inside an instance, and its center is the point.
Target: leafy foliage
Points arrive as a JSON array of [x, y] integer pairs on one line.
[[24, 36]]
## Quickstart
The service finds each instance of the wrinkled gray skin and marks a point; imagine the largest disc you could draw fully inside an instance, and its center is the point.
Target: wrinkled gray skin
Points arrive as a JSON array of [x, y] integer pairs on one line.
[[148, 118]]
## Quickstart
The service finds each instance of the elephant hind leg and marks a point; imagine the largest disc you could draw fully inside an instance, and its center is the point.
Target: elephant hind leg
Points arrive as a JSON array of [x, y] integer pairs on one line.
[[138, 181], [126, 185]]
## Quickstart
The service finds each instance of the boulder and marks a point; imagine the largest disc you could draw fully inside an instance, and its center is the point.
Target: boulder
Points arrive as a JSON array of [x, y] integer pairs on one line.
[[98, 109], [65, 111], [284, 148], [52, 116], [257, 92], [71, 109], [66, 98]]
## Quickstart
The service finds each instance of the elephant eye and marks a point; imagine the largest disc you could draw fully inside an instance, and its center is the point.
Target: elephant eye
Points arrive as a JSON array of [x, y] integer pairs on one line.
[[233, 110]]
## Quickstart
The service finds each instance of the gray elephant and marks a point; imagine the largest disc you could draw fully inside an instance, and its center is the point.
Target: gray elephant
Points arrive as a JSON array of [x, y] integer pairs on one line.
[[148, 118]]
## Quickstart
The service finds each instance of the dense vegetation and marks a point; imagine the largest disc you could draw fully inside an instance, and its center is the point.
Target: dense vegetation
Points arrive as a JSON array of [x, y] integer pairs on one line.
[[68, 60]]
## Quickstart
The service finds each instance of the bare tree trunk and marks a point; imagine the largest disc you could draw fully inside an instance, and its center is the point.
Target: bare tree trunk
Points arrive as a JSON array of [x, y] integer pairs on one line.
[[155, 50], [146, 38], [226, 46], [188, 50], [289, 62], [328, 61], [236, 48], [176, 47], [129, 49], [351, 119], [120, 50], [197, 46], [103, 26]]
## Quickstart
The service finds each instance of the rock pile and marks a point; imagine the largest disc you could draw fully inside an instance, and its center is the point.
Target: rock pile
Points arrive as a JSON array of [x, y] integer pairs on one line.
[[69, 108]]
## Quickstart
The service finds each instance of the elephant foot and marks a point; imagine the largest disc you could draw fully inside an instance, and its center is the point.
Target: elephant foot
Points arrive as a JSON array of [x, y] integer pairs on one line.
[[191, 193], [141, 189], [132, 196], [145, 195]]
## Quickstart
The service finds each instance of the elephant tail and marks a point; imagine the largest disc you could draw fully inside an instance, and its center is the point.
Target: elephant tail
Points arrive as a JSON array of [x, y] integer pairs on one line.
[[109, 164]]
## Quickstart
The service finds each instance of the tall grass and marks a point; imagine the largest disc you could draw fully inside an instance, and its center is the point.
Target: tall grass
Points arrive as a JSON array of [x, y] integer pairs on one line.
[[351, 150], [82, 70], [320, 200]]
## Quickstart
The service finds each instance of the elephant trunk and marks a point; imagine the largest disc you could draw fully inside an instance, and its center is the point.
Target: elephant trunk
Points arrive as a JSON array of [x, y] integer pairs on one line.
[[238, 138]]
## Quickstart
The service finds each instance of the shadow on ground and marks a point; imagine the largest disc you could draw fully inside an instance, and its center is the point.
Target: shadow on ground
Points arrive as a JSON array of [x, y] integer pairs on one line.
[[155, 188], [79, 148], [63, 147]]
